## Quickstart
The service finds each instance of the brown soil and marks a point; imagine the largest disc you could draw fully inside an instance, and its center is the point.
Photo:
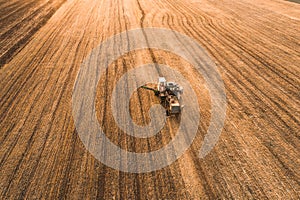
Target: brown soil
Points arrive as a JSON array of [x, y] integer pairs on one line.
[[255, 45], [19, 21]]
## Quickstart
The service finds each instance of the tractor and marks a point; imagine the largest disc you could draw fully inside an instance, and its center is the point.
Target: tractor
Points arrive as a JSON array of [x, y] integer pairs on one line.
[[169, 94]]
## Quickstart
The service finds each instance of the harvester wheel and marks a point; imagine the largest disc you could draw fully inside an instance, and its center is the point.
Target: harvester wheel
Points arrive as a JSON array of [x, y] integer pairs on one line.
[[167, 113]]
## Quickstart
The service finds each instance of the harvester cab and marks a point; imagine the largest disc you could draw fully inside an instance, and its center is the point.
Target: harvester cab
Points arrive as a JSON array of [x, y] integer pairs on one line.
[[175, 88]]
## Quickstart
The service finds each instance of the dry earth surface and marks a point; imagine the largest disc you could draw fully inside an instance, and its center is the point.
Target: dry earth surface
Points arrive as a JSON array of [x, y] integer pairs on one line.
[[256, 47], [19, 20]]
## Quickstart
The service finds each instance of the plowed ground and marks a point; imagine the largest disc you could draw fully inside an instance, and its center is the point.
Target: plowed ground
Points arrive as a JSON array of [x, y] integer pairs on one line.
[[256, 47]]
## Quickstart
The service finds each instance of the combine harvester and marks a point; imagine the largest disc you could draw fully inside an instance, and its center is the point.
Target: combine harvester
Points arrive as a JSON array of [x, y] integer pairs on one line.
[[170, 96]]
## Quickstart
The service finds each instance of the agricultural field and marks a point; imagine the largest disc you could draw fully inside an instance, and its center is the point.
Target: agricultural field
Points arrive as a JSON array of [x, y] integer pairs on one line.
[[255, 46]]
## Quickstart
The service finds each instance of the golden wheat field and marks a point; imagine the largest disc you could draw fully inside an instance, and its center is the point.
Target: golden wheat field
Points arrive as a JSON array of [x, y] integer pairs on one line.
[[255, 46]]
